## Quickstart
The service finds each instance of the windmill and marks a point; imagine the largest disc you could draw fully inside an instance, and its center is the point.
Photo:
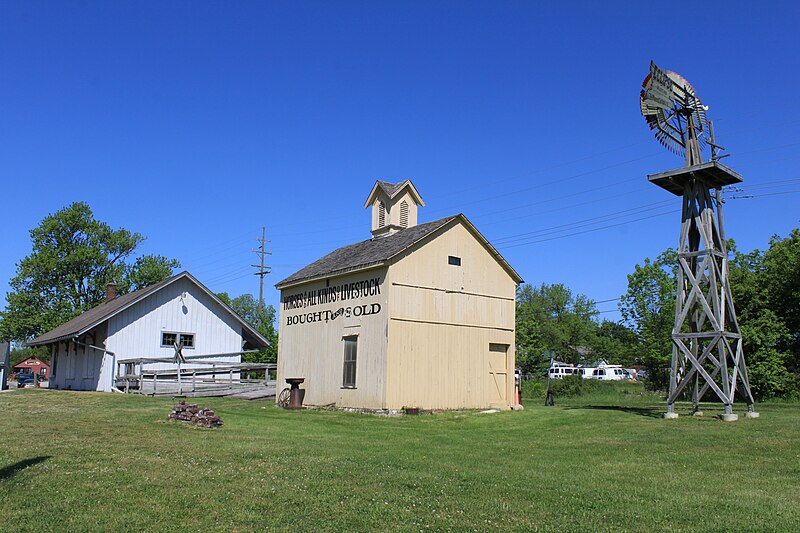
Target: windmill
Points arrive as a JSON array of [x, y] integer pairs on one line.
[[707, 351]]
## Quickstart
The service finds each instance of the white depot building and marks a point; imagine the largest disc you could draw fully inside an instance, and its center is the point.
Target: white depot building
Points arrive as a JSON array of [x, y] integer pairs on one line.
[[418, 316], [145, 324]]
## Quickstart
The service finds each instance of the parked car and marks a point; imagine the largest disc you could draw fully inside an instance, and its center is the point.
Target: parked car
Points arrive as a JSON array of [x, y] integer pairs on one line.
[[24, 379]]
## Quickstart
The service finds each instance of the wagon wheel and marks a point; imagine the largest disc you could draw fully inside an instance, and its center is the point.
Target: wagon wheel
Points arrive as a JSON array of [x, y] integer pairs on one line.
[[283, 397]]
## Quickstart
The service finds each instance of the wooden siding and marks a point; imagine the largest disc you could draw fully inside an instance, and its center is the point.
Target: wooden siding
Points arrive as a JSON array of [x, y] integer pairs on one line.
[[393, 211], [442, 321], [444, 338], [77, 367], [314, 349], [136, 331]]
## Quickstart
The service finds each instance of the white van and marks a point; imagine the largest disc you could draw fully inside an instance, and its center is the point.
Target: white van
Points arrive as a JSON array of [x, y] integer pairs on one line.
[[610, 373], [561, 371]]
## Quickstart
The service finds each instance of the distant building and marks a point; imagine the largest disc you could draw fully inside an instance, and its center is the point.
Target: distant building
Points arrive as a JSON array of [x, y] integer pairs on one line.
[[421, 315], [145, 324], [33, 365]]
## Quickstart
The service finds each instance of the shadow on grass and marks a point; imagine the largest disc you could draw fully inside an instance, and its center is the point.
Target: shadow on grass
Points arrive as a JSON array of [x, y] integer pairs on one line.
[[12, 470], [651, 412]]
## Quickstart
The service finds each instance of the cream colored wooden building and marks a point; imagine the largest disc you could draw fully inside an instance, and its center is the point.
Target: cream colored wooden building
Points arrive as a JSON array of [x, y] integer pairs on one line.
[[421, 315]]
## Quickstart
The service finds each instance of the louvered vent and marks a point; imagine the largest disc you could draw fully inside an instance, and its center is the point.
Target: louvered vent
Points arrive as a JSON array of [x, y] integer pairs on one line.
[[381, 215], [404, 214]]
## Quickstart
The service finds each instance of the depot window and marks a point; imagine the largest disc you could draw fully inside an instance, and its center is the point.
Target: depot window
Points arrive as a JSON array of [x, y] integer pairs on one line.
[[170, 339], [453, 260]]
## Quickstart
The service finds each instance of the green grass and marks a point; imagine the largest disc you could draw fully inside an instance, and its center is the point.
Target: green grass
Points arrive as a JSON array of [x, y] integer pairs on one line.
[[93, 461]]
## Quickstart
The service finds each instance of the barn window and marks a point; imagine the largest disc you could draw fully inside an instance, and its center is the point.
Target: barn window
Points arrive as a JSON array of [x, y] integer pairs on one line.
[[381, 215], [186, 340], [404, 214], [453, 260], [168, 339], [350, 357]]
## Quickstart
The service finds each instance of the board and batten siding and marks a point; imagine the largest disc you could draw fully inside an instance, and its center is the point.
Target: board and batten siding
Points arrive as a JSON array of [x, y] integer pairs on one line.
[[451, 327], [78, 367], [314, 319], [136, 331]]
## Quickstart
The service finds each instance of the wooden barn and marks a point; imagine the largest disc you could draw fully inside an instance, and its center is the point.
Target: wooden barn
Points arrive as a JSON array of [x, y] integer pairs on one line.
[[145, 325], [419, 316]]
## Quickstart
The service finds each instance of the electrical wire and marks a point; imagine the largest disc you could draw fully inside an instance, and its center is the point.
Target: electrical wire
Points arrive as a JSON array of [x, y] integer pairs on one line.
[[672, 211], [584, 222]]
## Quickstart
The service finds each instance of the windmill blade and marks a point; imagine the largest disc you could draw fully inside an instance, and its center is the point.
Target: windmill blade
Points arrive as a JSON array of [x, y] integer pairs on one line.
[[667, 101]]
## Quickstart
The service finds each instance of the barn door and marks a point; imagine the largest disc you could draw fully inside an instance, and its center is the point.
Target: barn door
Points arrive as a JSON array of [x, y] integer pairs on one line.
[[498, 374]]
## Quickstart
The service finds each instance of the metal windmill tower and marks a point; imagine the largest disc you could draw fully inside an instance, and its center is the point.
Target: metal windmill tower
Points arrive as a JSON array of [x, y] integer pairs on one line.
[[707, 349]]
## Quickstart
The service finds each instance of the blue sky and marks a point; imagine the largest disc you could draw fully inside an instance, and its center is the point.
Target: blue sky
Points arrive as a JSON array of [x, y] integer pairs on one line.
[[197, 123]]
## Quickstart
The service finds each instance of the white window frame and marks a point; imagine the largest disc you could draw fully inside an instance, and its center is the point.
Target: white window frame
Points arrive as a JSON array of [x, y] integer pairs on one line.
[[179, 339], [353, 363]]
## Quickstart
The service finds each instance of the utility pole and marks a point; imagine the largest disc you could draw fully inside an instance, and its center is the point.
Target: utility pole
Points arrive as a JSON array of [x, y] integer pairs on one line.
[[263, 269]]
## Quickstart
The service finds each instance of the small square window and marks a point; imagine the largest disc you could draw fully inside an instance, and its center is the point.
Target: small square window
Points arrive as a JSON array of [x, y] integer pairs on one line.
[[453, 260], [187, 340], [169, 339]]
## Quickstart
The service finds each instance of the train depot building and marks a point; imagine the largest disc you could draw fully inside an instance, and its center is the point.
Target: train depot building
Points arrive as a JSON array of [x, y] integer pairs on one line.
[[146, 326], [419, 316]]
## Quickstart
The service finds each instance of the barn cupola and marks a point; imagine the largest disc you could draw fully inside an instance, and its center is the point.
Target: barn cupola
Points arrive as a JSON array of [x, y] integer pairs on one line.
[[394, 207]]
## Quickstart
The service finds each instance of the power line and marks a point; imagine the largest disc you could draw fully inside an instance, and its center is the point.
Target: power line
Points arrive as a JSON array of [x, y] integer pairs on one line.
[[748, 196], [263, 269], [584, 222], [591, 230]]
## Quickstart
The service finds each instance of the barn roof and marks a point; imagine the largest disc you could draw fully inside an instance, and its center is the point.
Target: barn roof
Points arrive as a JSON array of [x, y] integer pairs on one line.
[[104, 311], [376, 252]]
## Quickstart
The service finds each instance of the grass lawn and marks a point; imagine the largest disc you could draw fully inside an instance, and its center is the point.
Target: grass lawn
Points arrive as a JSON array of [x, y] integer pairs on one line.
[[78, 461]]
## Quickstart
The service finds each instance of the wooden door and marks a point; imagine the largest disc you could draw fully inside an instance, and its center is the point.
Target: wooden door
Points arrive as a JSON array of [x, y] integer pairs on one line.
[[498, 374]]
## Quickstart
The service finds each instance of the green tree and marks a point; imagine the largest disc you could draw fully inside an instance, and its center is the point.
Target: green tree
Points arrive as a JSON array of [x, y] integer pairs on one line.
[[763, 286], [73, 257], [615, 342], [781, 276], [551, 318], [648, 309], [766, 295], [262, 319]]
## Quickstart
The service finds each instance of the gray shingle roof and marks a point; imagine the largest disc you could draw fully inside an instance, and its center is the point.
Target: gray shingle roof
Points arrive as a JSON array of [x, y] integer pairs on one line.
[[365, 253], [94, 316], [390, 188], [100, 313]]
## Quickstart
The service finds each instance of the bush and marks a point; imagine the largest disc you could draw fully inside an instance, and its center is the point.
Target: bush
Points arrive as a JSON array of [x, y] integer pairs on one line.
[[587, 389]]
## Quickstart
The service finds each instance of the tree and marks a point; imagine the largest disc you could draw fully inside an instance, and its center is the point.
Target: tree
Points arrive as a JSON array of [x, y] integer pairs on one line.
[[262, 319], [550, 318], [766, 295], [764, 286], [615, 342], [73, 258], [648, 308], [781, 277]]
